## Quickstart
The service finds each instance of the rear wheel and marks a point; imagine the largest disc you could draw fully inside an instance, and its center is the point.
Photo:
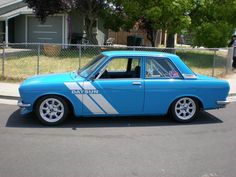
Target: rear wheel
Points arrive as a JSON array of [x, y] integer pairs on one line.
[[185, 109], [51, 110]]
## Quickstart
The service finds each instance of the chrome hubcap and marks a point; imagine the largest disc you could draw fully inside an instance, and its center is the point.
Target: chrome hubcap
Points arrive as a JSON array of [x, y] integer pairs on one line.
[[185, 108], [51, 110]]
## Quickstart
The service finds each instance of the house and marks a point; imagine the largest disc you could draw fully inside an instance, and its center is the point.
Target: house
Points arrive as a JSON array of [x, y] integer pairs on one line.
[[18, 24]]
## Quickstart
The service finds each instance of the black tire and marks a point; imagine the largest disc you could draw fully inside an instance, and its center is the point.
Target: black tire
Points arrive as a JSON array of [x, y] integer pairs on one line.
[[51, 110], [184, 109]]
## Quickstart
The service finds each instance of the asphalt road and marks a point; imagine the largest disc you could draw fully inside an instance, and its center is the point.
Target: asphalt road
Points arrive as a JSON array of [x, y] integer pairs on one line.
[[120, 147]]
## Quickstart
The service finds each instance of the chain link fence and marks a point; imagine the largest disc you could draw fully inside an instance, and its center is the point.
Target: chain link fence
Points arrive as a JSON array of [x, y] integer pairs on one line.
[[19, 61]]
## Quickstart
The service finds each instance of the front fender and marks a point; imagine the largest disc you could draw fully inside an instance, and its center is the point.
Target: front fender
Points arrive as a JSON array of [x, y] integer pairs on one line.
[[32, 98]]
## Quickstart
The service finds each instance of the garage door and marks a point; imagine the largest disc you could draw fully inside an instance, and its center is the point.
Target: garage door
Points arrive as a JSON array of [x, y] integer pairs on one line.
[[48, 32]]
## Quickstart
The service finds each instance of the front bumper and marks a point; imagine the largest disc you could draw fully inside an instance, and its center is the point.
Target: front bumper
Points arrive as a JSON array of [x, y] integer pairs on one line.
[[22, 105], [222, 104], [24, 108]]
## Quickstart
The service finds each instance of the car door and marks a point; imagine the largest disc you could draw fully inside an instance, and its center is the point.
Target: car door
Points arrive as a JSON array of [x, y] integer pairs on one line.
[[163, 82], [119, 88]]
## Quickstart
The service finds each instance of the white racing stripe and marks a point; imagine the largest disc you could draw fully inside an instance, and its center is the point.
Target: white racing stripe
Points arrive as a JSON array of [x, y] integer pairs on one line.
[[72, 85], [93, 107], [105, 105], [88, 86], [99, 99], [85, 99]]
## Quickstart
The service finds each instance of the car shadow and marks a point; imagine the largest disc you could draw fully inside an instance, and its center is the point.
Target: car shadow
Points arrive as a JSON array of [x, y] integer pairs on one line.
[[30, 121]]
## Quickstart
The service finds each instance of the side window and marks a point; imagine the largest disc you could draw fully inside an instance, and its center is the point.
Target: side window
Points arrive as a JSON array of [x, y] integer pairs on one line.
[[135, 64], [161, 68], [117, 65], [121, 68]]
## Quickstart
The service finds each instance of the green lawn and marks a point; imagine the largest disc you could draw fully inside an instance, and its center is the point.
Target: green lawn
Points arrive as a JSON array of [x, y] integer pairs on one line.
[[22, 65], [202, 61]]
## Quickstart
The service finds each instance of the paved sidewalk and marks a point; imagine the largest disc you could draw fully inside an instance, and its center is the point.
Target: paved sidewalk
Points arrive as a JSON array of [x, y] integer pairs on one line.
[[10, 90], [232, 81]]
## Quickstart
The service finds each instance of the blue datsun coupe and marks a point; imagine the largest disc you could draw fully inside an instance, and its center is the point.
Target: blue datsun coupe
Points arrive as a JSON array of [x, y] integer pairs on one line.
[[123, 83]]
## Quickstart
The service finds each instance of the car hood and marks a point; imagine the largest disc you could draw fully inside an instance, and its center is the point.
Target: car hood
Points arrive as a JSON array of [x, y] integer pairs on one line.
[[48, 78], [42, 81]]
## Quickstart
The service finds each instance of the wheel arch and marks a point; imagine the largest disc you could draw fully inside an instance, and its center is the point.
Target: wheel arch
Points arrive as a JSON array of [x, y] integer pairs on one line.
[[68, 101], [199, 101]]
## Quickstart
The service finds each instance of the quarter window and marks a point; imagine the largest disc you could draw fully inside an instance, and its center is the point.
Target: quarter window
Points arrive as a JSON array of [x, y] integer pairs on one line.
[[160, 68]]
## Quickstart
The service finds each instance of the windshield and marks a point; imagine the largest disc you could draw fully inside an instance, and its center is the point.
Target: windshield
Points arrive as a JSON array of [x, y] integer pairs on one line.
[[91, 66]]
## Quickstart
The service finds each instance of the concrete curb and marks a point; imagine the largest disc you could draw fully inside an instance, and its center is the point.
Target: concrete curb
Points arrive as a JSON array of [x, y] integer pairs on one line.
[[9, 97], [232, 94]]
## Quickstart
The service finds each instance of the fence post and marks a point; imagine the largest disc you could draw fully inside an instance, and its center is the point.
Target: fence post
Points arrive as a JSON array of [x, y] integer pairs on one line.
[[3, 58], [79, 55], [38, 49], [229, 59], [214, 64]]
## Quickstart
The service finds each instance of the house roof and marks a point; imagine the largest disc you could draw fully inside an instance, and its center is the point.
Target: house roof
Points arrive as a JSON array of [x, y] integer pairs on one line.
[[14, 13], [13, 8], [4, 3]]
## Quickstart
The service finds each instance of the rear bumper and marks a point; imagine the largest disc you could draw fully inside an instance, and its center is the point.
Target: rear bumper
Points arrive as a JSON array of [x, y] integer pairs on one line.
[[222, 104]]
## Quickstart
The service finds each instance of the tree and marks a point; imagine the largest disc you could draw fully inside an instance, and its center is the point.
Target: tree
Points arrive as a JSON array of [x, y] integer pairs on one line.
[[153, 15], [210, 22], [90, 9], [213, 22]]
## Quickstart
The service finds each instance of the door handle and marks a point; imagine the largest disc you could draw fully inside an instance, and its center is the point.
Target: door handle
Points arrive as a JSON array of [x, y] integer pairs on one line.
[[136, 83]]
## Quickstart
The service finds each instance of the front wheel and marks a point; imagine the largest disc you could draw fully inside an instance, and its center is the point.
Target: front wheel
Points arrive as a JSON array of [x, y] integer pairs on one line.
[[184, 109], [51, 110]]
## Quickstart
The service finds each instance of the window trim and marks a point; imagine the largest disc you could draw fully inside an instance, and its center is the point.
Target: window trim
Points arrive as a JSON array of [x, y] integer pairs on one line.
[[117, 57], [161, 78]]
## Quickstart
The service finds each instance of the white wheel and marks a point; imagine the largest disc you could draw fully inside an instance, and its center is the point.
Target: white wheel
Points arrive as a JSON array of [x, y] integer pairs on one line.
[[51, 110], [184, 109]]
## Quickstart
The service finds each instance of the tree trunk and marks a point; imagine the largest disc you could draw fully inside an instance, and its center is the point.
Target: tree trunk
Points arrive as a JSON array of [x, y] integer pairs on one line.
[[91, 36], [151, 36], [69, 28], [157, 38], [170, 40]]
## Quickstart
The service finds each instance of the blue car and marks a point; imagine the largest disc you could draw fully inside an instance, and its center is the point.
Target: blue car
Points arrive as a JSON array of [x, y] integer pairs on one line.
[[123, 83]]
